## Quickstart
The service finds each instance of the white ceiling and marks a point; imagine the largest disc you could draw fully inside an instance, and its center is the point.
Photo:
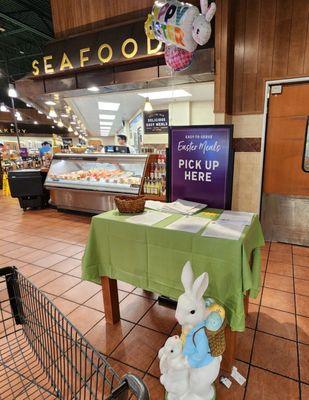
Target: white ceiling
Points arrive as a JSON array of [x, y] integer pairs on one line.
[[86, 107]]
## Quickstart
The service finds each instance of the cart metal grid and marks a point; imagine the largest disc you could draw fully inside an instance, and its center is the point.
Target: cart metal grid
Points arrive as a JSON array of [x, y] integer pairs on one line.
[[43, 356]]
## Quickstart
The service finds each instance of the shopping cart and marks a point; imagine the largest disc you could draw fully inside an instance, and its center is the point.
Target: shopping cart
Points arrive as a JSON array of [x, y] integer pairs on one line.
[[43, 356]]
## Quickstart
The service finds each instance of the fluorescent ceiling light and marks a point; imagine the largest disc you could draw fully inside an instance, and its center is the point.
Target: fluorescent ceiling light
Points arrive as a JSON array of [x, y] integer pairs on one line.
[[106, 123], [93, 89], [107, 116], [166, 94], [108, 106], [12, 92], [4, 108], [104, 134], [50, 103]]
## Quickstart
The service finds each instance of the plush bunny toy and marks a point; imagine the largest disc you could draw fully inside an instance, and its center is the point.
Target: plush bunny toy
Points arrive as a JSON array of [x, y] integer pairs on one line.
[[191, 314], [201, 29]]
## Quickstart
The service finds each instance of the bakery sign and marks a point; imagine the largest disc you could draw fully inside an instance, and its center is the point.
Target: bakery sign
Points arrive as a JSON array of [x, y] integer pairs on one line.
[[109, 46], [156, 121]]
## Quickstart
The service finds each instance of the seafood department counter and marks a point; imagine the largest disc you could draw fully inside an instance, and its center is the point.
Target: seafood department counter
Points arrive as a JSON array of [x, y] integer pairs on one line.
[[90, 182]]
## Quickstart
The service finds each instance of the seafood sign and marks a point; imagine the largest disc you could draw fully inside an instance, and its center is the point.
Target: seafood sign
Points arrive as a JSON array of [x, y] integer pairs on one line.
[[201, 164]]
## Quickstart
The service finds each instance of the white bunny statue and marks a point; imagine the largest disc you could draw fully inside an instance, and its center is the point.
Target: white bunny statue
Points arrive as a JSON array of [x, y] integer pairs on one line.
[[174, 368], [203, 368]]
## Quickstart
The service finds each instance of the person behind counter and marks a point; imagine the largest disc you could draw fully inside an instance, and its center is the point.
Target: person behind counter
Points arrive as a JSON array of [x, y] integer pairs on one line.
[[122, 141], [46, 148]]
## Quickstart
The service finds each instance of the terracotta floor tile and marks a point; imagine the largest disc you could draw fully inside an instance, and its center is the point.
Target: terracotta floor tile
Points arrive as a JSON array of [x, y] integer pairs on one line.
[[44, 276], [65, 306], [29, 270], [35, 255], [302, 287], [280, 257], [49, 261], [60, 285], [70, 251], [133, 307], [244, 345], [304, 362], [77, 271], [275, 354], [301, 260], [5, 261], [146, 343], [159, 318], [281, 247], [155, 388], [96, 301], [82, 292], [264, 385], [257, 300], [7, 246], [305, 392], [277, 323], [66, 265], [85, 318], [15, 263], [79, 256], [106, 337], [301, 272], [303, 329], [280, 268], [301, 250], [123, 369], [154, 368], [279, 300], [54, 246], [280, 282], [20, 252], [302, 305], [252, 316], [126, 287]]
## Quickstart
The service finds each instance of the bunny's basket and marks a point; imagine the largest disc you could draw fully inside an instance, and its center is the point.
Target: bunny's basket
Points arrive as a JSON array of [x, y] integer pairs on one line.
[[130, 204], [216, 340]]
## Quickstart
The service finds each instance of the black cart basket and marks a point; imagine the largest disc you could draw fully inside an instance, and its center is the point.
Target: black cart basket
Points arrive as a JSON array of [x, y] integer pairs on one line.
[[43, 356]]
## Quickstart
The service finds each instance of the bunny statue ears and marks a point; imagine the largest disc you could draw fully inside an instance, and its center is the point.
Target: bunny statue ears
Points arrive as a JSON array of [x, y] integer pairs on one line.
[[208, 12], [196, 287]]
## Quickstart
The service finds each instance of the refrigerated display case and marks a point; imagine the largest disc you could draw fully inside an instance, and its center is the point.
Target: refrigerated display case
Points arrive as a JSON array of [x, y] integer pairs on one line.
[[90, 182]]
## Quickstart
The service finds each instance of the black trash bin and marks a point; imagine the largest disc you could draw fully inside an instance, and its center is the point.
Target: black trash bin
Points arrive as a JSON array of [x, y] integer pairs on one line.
[[27, 186]]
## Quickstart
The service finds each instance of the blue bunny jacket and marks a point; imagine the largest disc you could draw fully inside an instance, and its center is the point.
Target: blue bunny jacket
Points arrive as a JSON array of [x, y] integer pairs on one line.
[[196, 347]]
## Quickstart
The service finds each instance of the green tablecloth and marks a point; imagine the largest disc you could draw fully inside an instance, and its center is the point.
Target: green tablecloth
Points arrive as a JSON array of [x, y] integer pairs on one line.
[[152, 257]]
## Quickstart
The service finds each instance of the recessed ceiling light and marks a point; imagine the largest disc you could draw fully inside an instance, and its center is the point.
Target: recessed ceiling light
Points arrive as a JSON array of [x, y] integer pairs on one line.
[[166, 94], [108, 106], [35, 122], [75, 133], [53, 127], [60, 123], [107, 116], [70, 129], [106, 123], [50, 103], [93, 89]]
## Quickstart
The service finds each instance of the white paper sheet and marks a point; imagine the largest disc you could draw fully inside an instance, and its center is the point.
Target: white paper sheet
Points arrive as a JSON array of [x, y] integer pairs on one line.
[[148, 218], [236, 216], [189, 224], [177, 207], [224, 230]]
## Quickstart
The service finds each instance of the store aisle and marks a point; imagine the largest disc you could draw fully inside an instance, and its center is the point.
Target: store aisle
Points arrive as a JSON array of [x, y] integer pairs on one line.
[[47, 247]]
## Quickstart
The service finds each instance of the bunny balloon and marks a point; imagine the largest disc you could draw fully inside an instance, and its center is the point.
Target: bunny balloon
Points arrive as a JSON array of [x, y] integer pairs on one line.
[[203, 368]]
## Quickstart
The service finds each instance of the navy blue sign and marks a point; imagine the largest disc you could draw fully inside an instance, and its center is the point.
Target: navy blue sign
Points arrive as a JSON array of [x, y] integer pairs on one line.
[[201, 164]]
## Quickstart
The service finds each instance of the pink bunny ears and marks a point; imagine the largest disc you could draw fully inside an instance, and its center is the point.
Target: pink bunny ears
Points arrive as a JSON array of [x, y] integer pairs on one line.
[[210, 11]]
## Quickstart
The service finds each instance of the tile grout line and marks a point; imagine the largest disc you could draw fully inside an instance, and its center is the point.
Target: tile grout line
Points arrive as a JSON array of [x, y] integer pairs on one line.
[[296, 329], [256, 325]]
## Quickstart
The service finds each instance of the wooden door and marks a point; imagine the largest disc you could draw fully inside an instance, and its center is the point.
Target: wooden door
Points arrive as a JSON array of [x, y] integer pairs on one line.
[[285, 212]]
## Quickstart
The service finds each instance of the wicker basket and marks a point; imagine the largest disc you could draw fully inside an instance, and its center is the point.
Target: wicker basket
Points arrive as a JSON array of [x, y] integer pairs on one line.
[[216, 340], [130, 204]]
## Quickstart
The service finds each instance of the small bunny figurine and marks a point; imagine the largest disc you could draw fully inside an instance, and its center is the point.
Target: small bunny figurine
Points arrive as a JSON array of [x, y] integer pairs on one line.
[[191, 314], [201, 29], [174, 369]]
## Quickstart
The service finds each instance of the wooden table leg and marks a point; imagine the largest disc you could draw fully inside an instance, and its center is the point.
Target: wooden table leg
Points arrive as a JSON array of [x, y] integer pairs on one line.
[[110, 299], [229, 354]]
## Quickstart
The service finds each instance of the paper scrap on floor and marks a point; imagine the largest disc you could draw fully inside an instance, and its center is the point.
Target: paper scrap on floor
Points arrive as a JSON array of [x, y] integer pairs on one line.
[[224, 230], [179, 206], [148, 218], [240, 217], [189, 224]]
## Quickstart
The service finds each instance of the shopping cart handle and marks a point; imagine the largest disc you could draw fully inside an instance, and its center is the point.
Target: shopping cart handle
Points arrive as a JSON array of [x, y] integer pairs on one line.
[[134, 384]]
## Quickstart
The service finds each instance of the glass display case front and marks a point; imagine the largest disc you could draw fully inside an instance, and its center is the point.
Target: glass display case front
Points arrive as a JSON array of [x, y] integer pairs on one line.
[[115, 173]]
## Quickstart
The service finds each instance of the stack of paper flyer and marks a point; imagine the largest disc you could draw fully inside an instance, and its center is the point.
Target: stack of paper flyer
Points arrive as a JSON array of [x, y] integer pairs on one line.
[[222, 229], [148, 218], [177, 207], [238, 217]]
